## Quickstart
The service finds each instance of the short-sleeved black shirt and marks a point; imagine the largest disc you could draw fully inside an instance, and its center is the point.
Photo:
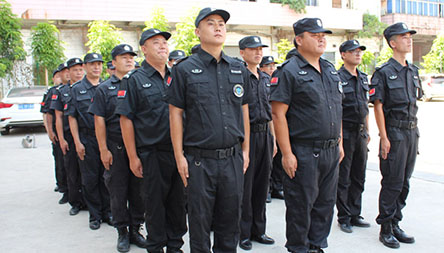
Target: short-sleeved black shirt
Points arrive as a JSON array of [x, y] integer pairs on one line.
[[212, 94], [104, 105], [259, 107], [397, 87], [314, 99], [82, 94], [355, 103], [60, 102], [141, 98]]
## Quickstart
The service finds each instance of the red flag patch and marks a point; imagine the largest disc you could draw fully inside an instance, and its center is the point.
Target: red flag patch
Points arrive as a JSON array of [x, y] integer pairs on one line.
[[65, 107], [54, 97], [372, 92], [169, 80], [121, 93], [274, 81]]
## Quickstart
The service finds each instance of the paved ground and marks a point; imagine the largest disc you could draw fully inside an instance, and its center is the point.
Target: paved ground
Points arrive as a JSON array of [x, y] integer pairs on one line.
[[32, 221]]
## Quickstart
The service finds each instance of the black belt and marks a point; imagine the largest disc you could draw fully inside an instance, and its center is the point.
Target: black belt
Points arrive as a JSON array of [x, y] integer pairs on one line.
[[353, 126], [217, 154], [158, 147], [88, 131], [115, 138], [260, 127], [323, 144], [403, 124]]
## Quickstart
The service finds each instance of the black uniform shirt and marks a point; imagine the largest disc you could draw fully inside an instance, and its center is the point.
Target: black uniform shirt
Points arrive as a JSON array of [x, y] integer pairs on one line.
[[314, 99], [355, 103], [259, 107], [104, 104], [141, 98], [397, 87], [212, 94], [82, 94], [60, 102]]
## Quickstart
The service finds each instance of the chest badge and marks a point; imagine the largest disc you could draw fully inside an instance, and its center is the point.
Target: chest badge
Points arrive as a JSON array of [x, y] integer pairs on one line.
[[393, 77], [344, 83], [82, 92], [238, 90], [302, 72], [415, 77], [196, 71], [233, 71], [147, 85], [112, 87], [340, 87], [334, 72], [65, 94]]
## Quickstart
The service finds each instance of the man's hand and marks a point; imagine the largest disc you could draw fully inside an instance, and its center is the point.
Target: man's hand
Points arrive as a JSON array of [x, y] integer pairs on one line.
[[341, 152], [107, 158], [136, 167], [275, 147], [80, 149], [52, 137], [182, 167], [64, 146], [385, 148], [246, 156], [290, 164], [368, 139]]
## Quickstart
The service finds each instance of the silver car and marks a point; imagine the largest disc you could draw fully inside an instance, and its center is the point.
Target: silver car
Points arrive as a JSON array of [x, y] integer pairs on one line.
[[433, 86]]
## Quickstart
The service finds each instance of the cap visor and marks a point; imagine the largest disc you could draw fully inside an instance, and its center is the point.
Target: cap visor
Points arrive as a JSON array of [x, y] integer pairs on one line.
[[128, 52], [256, 46], [321, 30], [224, 14], [94, 60]]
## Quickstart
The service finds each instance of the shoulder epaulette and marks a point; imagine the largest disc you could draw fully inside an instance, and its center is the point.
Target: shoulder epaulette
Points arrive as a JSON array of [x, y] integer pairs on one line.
[[282, 64], [381, 66], [74, 84], [180, 60], [130, 73]]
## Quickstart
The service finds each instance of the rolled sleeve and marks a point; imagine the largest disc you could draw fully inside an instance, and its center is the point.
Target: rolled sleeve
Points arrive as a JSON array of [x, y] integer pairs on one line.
[[377, 91], [126, 99], [98, 105], [280, 87], [176, 91]]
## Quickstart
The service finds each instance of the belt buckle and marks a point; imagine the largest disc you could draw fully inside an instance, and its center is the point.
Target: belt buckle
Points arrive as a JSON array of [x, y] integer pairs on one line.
[[222, 153], [412, 124], [361, 127]]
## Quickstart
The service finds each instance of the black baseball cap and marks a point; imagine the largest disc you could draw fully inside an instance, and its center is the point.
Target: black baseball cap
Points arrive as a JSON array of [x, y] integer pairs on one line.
[[176, 55], [110, 65], [291, 53], [62, 66], [350, 45], [396, 29], [55, 72], [251, 42], [313, 25], [195, 49], [122, 49], [74, 61], [205, 12], [92, 57], [151, 33], [136, 64], [267, 60]]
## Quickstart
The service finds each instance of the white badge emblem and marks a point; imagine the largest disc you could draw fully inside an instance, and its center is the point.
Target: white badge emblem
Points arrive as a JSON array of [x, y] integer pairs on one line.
[[147, 85], [112, 87], [393, 77], [270, 58], [302, 72], [404, 26], [238, 90], [156, 31], [333, 72], [179, 53], [344, 83], [256, 39], [236, 71], [65, 64], [319, 22], [95, 56], [82, 92], [127, 48], [196, 71], [355, 42], [340, 87], [77, 60]]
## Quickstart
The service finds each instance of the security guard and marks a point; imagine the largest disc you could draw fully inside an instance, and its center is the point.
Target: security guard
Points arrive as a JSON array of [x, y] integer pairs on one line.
[[146, 134], [268, 65], [59, 103], [262, 148], [124, 188], [175, 56], [110, 68], [291, 53], [395, 87], [212, 90], [307, 112], [81, 124], [195, 49], [355, 137]]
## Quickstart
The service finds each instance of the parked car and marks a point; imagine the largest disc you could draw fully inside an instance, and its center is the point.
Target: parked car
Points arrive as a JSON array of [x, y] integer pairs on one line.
[[21, 108], [433, 86]]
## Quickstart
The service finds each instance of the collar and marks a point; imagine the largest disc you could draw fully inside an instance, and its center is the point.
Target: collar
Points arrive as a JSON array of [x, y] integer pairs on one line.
[[207, 58], [347, 74], [147, 68], [87, 83], [302, 62], [114, 79], [398, 67]]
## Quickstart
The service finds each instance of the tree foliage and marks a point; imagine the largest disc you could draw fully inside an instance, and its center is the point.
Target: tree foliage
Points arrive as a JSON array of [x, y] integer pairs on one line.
[[371, 27], [283, 46], [184, 37], [368, 62], [297, 5], [434, 60], [46, 47], [11, 43], [385, 54], [157, 20]]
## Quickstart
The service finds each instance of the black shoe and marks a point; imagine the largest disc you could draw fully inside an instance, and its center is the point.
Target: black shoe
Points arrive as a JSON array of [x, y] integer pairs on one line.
[[64, 199], [264, 239], [74, 210], [109, 219], [315, 249], [169, 250], [123, 244], [277, 194], [358, 221], [56, 189], [401, 235], [245, 244], [345, 227], [136, 238], [94, 224], [386, 236], [156, 251], [268, 200]]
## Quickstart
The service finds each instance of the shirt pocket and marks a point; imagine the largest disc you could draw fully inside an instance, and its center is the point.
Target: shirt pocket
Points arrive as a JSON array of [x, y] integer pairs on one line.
[[397, 93], [198, 90], [83, 102], [237, 88], [417, 87], [152, 96]]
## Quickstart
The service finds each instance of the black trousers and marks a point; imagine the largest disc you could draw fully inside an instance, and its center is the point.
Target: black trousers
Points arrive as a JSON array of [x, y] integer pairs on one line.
[[310, 197], [93, 184], [256, 179], [352, 175], [60, 172], [396, 171], [277, 173], [74, 181], [124, 188], [163, 196], [215, 187]]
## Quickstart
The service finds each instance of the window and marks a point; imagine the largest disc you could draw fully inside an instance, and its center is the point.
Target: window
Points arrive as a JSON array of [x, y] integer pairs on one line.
[[311, 2], [433, 8]]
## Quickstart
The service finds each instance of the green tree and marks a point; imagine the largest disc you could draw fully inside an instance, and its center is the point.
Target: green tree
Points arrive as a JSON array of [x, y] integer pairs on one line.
[[434, 60], [297, 5], [283, 46], [184, 38], [368, 62], [157, 20], [11, 43], [47, 49], [385, 54], [372, 27], [102, 38]]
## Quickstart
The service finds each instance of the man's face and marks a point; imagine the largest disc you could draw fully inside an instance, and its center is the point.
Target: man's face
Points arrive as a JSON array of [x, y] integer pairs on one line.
[[269, 68], [76, 73], [124, 63], [156, 48], [171, 62], [93, 69], [64, 75], [212, 30], [402, 43], [352, 57], [252, 56], [56, 79], [312, 43]]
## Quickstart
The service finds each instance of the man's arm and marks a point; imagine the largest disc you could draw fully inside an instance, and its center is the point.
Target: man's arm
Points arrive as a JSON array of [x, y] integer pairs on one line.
[[367, 129], [130, 144], [73, 125], [59, 128], [105, 154], [380, 121], [176, 131], [271, 126], [49, 122], [246, 143]]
